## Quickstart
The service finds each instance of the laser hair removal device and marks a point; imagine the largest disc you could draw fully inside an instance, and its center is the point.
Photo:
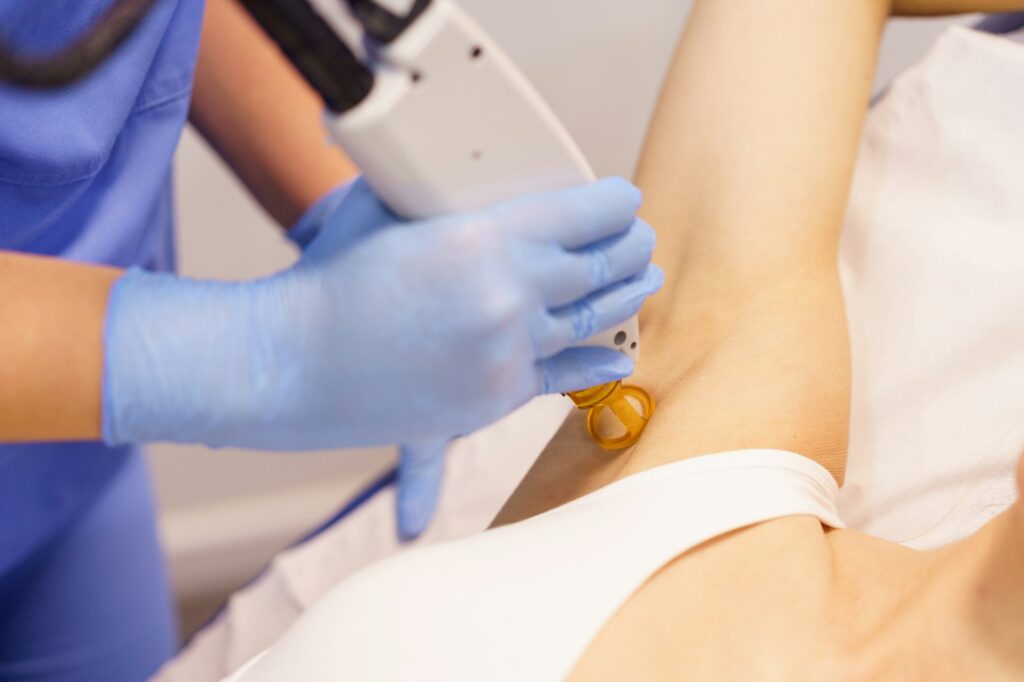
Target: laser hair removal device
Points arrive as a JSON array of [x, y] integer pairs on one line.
[[440, 120]]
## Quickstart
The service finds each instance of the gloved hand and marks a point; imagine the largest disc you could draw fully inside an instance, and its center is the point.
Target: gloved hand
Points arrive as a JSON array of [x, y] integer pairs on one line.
[[420, 470], [383, 331], [418, 482]]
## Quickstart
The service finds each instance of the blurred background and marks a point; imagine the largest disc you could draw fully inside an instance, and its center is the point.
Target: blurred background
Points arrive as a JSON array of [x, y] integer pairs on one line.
[[599, 63]]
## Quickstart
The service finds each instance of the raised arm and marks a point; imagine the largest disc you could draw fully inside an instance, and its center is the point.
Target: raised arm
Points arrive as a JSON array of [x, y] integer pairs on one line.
[[745, 172]]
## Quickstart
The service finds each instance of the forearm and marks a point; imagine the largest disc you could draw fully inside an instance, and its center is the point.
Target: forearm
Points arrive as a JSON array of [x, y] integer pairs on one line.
[[745, 173], [750, 154], [51, 341], [253, 107]]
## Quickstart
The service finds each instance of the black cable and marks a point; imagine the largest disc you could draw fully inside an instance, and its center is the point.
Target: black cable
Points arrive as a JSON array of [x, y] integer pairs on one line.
[[381, 24], [322, 58], [82, 56]]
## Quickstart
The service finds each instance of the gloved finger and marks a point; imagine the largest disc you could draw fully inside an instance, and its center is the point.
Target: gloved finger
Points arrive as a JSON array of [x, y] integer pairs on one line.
[[420, 473], [577, 274], [581, 320], [574, 217], [582, 367]]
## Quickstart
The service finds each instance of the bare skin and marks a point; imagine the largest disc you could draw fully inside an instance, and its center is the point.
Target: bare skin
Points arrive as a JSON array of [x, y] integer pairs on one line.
[[53, 355], [746, 174], [252, 107]]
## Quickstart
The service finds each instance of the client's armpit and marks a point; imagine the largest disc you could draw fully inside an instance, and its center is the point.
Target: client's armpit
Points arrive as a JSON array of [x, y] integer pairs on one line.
[[746, 173], [724, 381]]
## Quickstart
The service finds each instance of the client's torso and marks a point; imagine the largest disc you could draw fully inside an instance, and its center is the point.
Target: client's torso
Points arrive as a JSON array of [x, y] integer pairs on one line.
[[627, 582]]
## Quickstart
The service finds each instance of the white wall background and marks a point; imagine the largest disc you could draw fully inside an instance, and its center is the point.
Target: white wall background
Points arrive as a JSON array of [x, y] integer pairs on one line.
[[599, 63]]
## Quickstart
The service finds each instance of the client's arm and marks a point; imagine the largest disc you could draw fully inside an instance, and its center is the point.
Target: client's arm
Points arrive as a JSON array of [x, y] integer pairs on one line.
[[745, 174]]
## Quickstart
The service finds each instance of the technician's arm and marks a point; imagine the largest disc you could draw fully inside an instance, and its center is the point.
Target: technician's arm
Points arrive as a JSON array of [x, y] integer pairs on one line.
[[264, 120], [51, 347], [254, 108], [454, 323]]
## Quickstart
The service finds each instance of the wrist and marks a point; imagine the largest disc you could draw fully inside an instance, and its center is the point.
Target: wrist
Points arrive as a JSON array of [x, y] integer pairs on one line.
[[309, 224], [176, 363]]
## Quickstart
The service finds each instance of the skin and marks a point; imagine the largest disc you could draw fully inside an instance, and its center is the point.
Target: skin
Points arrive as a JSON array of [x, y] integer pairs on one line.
[[746, 347], [257, 112], [53, 356]]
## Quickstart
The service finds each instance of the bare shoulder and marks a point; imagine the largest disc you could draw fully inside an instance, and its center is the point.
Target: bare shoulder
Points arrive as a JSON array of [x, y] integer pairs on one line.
[[772, 598]]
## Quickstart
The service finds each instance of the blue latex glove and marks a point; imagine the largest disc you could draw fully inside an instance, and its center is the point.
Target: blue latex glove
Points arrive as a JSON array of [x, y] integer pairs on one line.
[[383, 331], [420, 475], [420, 471]]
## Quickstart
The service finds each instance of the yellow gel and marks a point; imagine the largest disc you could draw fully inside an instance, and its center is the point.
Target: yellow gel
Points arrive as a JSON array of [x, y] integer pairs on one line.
[[614, 397]]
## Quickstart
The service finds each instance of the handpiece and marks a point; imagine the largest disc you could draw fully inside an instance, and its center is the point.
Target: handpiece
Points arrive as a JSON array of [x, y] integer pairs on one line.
[[450, 124]]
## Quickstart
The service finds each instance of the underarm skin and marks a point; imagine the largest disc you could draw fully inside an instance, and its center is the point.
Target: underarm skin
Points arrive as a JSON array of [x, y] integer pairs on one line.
[[745, 174]]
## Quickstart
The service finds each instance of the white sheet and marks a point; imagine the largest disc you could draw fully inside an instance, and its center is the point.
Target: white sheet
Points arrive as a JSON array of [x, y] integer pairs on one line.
[[933, 267]]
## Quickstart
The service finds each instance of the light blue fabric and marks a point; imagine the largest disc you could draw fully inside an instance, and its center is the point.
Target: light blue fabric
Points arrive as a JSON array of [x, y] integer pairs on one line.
[[411, 331], [85, 175]]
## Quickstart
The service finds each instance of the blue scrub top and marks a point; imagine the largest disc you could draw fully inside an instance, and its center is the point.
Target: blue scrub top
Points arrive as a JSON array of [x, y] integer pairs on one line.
[[85, 174]]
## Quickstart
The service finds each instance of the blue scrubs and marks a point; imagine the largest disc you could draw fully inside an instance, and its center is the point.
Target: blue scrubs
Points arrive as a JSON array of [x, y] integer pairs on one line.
[[85, 174]]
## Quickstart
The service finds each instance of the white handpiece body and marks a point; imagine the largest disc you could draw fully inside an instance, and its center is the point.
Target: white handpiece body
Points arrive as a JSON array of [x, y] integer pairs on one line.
[[452, 125]]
